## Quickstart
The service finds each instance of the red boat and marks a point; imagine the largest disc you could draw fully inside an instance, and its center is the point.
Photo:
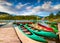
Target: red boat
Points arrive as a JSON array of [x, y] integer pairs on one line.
[[45, 28]]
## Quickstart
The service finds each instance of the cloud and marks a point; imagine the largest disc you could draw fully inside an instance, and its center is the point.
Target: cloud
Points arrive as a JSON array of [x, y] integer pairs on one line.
[[3, 2], [36, 9], [57, 7], [20, 5], [27, 13], [30, 10], [38, 1], [6, 7], [47, 7], [7, 3]]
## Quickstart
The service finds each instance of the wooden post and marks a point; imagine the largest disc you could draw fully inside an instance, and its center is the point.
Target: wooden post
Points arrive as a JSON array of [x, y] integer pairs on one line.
[[59, 31]]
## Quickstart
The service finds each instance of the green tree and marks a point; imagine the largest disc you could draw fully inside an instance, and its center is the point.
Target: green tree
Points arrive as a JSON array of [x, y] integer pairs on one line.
[[58, 15], [51, 15]]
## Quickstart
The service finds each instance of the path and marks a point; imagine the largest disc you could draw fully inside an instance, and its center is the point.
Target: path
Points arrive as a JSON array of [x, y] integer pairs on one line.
[[8, 35]]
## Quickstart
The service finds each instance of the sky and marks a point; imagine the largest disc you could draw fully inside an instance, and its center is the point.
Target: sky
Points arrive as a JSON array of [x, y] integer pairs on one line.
[[30, 7]]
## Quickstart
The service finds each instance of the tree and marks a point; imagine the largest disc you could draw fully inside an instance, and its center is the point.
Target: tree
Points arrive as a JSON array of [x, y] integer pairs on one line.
[[51, 15], [58, 15]]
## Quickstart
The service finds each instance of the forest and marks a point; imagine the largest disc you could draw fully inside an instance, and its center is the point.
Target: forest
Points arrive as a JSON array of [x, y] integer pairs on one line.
[[51, 17]]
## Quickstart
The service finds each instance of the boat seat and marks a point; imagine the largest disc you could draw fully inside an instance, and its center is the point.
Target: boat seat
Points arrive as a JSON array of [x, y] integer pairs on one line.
[[27, 33], [33, 28], [25, 30]]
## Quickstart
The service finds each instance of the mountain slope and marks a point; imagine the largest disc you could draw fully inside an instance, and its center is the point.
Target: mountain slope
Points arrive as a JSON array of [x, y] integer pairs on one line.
[[6, 16]]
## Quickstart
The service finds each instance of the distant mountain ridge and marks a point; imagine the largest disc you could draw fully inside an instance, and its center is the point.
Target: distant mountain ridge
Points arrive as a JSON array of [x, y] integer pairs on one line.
[[3, 13], [6, 16]]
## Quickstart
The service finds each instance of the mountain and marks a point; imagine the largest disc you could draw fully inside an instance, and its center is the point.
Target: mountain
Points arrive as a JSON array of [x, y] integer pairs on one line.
[[6, 16], [3, 13]]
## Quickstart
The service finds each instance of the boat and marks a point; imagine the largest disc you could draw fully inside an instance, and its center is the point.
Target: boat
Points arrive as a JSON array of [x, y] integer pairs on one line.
[[52, 25], [42, 27], [45, 27], [2, 24], [30, 34], [41, 32], [55, 28], [43, 23]]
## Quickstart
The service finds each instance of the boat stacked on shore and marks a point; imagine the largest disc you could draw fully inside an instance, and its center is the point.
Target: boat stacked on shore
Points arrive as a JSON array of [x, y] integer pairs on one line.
[[36, 33]]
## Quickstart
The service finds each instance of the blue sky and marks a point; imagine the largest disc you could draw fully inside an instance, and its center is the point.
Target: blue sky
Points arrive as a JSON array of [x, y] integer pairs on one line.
[[30, 7]]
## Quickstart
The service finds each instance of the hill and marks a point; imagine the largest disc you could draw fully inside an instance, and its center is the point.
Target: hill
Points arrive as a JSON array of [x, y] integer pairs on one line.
[[53, 18], [6, 16]]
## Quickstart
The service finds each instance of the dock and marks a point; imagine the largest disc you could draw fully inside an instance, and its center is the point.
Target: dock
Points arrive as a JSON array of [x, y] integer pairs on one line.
[[8, 35]]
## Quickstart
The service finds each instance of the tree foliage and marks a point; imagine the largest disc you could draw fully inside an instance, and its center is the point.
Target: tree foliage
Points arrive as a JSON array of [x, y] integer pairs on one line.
[[6, 16], [53, 17]]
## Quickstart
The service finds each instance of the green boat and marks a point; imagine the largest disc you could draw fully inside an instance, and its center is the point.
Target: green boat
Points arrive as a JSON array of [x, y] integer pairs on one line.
[[55, 28], [42, 33], [52, 25], [31, 34]]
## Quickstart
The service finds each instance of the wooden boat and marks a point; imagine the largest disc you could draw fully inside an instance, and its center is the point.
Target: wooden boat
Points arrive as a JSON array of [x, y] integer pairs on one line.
[[30, 34], [41, 32], [45, 28], [55, 28], [42, 27]]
